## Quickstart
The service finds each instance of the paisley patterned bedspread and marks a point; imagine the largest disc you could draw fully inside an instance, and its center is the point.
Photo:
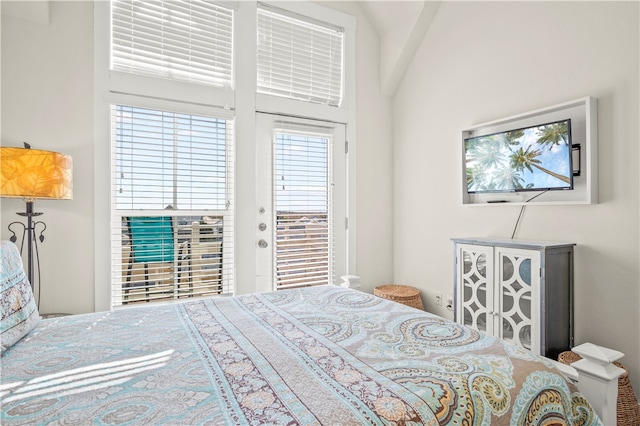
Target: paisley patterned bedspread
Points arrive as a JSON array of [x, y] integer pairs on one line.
[[323, 355]]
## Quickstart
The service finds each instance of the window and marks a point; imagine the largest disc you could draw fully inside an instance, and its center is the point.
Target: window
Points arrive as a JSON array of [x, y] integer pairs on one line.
[[180, 40], [298, 57], [171, 182], [166, 160], [178, 118], [303, 250]]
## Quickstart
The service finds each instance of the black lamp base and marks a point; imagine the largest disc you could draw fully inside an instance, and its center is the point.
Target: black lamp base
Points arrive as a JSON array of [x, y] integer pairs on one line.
[[29, 232]]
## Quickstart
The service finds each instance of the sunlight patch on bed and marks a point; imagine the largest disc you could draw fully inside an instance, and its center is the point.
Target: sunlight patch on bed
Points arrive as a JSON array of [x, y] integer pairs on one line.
[[84, 379]]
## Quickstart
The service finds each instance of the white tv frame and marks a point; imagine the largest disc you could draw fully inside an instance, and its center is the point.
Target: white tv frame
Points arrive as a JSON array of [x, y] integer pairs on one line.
[[583, 113]]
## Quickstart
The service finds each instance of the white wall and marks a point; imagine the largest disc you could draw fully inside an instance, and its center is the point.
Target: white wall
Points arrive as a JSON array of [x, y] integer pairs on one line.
[[374, 198], [47, 100], [482, 61]]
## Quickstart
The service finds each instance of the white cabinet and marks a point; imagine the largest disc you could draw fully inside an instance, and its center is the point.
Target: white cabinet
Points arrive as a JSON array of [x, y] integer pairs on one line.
[[520, 291]]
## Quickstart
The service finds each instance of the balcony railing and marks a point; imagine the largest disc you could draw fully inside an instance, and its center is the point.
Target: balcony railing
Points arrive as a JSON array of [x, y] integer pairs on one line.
[[194, 265], [302, 249], [187, 262]]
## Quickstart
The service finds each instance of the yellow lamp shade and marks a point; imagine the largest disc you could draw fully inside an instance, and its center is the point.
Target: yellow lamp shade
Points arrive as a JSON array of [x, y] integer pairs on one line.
[[33, 173]]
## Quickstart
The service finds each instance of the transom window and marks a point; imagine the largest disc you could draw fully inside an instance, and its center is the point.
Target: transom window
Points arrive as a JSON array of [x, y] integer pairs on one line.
[[299, 57], [181, 40]]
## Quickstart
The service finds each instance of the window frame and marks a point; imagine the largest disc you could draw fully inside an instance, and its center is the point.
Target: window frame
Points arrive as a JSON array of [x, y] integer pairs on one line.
[[268, 125], [240, 103], [226, 212], [332, 196]]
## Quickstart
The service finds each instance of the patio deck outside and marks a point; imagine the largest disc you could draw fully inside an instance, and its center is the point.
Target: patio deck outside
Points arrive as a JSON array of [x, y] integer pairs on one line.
[[301, 257]]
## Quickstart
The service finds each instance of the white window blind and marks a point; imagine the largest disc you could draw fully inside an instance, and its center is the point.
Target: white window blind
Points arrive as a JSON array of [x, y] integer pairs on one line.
[[166, 160], [298, 57], [171, 218], [303, 209], [182, 40]]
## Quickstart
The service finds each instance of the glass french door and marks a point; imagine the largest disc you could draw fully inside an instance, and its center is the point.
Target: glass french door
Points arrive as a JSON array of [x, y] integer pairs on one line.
[[301, 195]]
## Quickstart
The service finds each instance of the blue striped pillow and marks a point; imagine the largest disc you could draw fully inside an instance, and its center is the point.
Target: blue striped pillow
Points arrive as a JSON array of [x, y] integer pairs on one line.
[[19, 313]]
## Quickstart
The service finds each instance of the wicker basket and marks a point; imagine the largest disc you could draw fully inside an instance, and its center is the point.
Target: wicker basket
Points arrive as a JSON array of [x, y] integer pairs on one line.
[[404, 294], [627, 409]]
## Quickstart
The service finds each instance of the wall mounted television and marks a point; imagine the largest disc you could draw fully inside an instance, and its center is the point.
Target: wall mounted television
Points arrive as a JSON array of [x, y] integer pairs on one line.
[[535, 158]]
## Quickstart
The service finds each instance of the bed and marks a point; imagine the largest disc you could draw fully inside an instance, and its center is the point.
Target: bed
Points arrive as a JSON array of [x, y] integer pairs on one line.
[[315, 356]]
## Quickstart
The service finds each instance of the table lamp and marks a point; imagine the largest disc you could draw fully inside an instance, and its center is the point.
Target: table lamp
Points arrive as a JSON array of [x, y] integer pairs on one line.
[[33, 174]]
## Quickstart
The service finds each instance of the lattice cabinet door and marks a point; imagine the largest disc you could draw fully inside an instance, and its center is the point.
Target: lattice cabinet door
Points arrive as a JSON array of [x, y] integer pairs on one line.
[[518, 289], [475, 295], [521, 291]]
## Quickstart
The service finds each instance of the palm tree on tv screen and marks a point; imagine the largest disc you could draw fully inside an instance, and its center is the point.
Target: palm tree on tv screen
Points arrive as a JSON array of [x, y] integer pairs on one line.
[[497, 161], [508, 178], [486, 154], [513, 137], [527, 158], [554, 134]]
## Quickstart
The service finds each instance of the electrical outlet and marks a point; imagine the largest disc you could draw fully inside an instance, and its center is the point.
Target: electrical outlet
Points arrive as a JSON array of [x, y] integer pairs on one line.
[[449, 301], [439, 299]]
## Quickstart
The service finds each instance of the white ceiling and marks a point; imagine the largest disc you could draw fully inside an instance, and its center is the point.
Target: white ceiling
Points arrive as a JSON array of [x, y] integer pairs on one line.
[[401, 25], [387, 15]]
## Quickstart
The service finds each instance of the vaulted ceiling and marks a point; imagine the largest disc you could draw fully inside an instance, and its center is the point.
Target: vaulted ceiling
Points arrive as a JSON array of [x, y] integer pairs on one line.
[[401, 25]]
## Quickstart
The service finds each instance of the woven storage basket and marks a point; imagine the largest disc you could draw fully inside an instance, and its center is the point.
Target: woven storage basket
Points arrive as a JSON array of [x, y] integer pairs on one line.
[[627, 409], [404, 294]]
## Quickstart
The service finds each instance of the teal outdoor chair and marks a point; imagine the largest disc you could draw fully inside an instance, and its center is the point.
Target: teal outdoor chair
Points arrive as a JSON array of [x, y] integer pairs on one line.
[[152, 241]]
